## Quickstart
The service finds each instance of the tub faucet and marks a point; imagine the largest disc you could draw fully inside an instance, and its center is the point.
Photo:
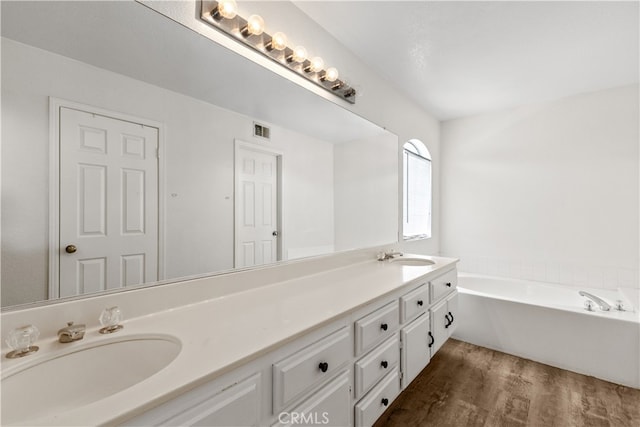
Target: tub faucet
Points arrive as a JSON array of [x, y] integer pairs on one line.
[[599, 301]]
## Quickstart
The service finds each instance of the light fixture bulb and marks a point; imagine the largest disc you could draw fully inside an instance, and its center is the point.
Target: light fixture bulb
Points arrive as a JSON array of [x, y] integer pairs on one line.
[[226, 9], [330, 75], [316, 64], [255, 26], [278, 41], [299, 54]]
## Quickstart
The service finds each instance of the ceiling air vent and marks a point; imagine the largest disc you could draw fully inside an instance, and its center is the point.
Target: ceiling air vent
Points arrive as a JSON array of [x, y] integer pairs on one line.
[[261, 131]]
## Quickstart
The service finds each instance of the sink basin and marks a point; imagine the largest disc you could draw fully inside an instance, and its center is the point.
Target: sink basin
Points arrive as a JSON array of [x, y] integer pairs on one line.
[[412, 261], [83, 375]]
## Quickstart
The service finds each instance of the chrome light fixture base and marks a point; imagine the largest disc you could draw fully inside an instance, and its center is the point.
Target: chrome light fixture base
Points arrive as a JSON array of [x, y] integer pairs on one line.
[[236, 28]]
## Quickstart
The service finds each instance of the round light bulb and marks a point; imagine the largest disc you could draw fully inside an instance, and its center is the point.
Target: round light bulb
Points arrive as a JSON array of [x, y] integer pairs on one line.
[[255, 25], [278, 41], [227, 9], [317, 64], [299, 54], [330, 75]]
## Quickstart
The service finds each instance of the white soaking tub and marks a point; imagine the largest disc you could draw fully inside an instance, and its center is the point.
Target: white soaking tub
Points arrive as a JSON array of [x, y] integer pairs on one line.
[[549, 324]]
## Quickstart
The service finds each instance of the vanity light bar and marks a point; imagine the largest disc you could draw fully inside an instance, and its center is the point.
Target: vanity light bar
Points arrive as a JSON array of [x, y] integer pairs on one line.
[[223, 16]]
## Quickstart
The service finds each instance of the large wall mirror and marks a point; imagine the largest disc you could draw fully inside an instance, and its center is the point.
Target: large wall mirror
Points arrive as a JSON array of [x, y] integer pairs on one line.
[[130, 157]]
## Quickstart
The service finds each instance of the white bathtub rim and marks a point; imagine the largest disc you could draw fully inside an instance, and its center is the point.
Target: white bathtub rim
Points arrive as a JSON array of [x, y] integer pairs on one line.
[[625, 316]]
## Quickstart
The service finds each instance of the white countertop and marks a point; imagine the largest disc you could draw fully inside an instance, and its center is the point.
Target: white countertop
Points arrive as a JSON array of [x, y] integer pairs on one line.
[[222, 333]]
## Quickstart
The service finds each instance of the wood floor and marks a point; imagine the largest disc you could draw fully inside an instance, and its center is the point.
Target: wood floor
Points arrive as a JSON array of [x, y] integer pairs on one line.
[[466, 385]]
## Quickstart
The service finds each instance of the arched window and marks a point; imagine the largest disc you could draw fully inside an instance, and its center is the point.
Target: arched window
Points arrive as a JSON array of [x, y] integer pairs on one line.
[[416, 206]]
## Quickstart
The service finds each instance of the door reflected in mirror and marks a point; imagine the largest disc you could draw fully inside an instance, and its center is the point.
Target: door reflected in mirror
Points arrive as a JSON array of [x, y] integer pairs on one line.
[[129, 157]]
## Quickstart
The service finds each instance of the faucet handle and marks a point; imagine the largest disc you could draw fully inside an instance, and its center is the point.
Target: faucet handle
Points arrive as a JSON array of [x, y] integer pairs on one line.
[[588, 305], [21, 341], [110, 319], [620, 305]]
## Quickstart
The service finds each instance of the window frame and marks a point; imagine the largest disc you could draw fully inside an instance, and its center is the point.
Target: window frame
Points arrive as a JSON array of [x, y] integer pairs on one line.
[[418, 150]]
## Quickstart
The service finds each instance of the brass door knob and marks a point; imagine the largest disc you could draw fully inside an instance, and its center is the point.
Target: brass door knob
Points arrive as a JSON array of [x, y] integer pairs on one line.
[[70, 249]]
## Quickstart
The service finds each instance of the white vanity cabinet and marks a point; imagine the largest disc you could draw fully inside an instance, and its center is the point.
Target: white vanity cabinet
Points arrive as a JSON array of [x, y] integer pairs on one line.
[[344, 373], [416, 348], [214, 404], [443, 320]]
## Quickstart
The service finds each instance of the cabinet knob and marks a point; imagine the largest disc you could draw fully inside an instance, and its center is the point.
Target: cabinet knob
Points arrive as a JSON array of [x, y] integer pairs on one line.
[[448, 284], [384, 364], [420, 302], [431, 339], [385, 401], [323, 366], [384, 326]]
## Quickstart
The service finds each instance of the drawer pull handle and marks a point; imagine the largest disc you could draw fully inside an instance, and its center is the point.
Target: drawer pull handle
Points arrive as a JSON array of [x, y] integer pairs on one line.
[[446, 316], [323, 366], [448, 284], [384, 364], [420, 302], [451, 314], [384, 326], [385, 401], [432, 340]]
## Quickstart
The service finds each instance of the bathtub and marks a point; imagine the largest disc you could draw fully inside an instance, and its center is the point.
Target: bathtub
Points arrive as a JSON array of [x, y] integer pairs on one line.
[[548, 324]]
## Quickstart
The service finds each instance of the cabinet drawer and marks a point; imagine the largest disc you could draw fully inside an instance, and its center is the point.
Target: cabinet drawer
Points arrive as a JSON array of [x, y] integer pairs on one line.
[[376, 365], [416, 301], [209, 405], [329, 406], [308, 367], [369, 409], [442, 285], [376, 326]]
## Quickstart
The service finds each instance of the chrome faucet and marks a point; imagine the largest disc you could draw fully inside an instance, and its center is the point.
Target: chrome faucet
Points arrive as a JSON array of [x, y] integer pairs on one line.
[[599, 301], [383, 256], [71, 333]]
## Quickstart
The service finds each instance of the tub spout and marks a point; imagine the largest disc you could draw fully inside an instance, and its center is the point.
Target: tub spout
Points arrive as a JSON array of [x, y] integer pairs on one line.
[[599, 301]]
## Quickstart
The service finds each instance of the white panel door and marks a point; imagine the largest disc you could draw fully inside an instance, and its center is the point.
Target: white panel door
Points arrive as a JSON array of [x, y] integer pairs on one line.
[[256, 217], [108, 203]]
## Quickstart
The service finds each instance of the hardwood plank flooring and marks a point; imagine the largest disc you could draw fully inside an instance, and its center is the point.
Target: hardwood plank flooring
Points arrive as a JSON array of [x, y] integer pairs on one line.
[[467, 385]]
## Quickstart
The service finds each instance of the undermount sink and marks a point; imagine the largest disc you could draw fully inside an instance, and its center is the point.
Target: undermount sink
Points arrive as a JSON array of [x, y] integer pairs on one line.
[[419, 262], [84, 375]]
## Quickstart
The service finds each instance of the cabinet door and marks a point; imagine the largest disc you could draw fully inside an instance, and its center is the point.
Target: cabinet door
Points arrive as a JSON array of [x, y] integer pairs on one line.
[[238, 405], [452, 309], [329, 406], [439, 322], [415, 348]]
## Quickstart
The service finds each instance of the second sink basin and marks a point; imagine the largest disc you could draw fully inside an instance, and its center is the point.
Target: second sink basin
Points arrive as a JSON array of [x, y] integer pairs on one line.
[[412, 261], [85, 375]]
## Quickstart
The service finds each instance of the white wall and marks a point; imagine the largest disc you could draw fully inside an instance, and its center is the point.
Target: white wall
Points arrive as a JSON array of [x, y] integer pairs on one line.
[[199, 147], [546, 192], [366, 179]]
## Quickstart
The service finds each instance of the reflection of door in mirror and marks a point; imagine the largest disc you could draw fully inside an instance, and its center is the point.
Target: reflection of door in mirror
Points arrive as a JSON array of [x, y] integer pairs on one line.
[[108, 221], [257, 206]]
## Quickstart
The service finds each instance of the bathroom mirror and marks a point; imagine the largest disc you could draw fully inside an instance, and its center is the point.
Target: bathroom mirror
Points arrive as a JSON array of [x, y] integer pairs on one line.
[[74, 74]]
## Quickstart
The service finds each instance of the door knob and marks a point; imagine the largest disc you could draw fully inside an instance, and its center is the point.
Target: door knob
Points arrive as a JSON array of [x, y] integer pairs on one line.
[[70, 249], [275, 233]]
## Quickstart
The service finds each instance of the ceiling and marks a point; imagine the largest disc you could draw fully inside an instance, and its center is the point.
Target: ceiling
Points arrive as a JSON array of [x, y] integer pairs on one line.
[[458, 59]]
